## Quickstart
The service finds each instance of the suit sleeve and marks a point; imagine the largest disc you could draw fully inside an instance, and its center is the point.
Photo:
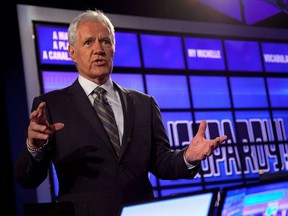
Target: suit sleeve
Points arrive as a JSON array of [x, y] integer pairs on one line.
[[165, 162], [29, 172]]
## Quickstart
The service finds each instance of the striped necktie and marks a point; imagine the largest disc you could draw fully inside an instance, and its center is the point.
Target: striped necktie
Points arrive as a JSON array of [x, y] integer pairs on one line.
[[106, 115]]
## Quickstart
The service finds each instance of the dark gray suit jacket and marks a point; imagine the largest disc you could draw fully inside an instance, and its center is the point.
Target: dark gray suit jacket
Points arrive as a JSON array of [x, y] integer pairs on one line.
[[88, 170]]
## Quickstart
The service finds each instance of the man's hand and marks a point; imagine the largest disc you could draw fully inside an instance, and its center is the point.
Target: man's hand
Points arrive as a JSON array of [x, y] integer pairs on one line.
[[39, 129], [200, 148]]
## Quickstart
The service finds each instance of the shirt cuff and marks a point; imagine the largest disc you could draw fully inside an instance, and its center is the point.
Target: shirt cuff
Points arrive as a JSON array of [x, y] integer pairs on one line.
[[36, 153], [190, 166]]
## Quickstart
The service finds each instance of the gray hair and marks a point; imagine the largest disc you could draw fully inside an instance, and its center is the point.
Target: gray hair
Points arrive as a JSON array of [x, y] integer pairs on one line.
[[89, 15]]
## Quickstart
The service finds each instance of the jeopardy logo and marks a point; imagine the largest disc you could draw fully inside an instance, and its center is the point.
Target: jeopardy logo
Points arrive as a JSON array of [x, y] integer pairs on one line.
[[261, 144]]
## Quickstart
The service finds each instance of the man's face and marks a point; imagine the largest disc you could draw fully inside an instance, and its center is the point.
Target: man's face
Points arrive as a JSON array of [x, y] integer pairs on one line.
[[93, 52]]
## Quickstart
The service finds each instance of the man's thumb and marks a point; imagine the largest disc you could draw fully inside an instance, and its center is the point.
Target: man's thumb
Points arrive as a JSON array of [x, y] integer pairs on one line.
[[57, 126]]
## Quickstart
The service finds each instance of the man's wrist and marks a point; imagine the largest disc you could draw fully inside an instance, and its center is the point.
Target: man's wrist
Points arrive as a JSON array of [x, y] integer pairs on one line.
[[190, 165], [32, 149]]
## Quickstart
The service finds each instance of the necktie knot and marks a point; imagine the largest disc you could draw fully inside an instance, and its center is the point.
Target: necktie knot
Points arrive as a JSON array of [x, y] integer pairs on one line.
[[99, 91], [100, 95]]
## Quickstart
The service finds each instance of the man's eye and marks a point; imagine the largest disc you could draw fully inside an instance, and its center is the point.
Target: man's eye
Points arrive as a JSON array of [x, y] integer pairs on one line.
[[106, 42], [87, 42]]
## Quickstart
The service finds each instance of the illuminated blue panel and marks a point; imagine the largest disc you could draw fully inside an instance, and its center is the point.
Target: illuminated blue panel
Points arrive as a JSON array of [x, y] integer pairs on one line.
[[243, 56], [162, 51], [127, 50], [248, 92], [209, 92], [275, 57], [214, 115], [224, 164], [170, 91], [230, 8], [258, 126], [278, 91], [133, 81], [257, 157], [281, 122], [204, 54], [257, 11], [53, 45], [57, 80]]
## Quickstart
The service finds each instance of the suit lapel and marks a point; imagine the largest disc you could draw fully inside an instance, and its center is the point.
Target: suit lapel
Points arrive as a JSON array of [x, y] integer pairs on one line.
[[128, 108]]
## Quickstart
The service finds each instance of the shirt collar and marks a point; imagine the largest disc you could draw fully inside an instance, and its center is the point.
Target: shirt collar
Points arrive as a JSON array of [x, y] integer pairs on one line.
[[89, 86]]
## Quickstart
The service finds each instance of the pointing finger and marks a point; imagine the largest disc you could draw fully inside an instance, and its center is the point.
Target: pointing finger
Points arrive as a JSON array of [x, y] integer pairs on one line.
[[41, 108]]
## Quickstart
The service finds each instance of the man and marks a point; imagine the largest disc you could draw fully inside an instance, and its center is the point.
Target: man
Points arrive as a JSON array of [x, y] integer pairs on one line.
[[65, 128]]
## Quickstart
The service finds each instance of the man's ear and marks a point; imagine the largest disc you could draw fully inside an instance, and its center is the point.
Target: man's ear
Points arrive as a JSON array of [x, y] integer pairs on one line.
[[71, 51]]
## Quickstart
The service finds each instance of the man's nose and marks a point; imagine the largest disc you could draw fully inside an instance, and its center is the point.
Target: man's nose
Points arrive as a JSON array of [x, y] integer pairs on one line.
[[98, 47]]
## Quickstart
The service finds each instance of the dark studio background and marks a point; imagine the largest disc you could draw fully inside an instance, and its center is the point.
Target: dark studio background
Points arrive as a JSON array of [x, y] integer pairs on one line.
[[14, 111]]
